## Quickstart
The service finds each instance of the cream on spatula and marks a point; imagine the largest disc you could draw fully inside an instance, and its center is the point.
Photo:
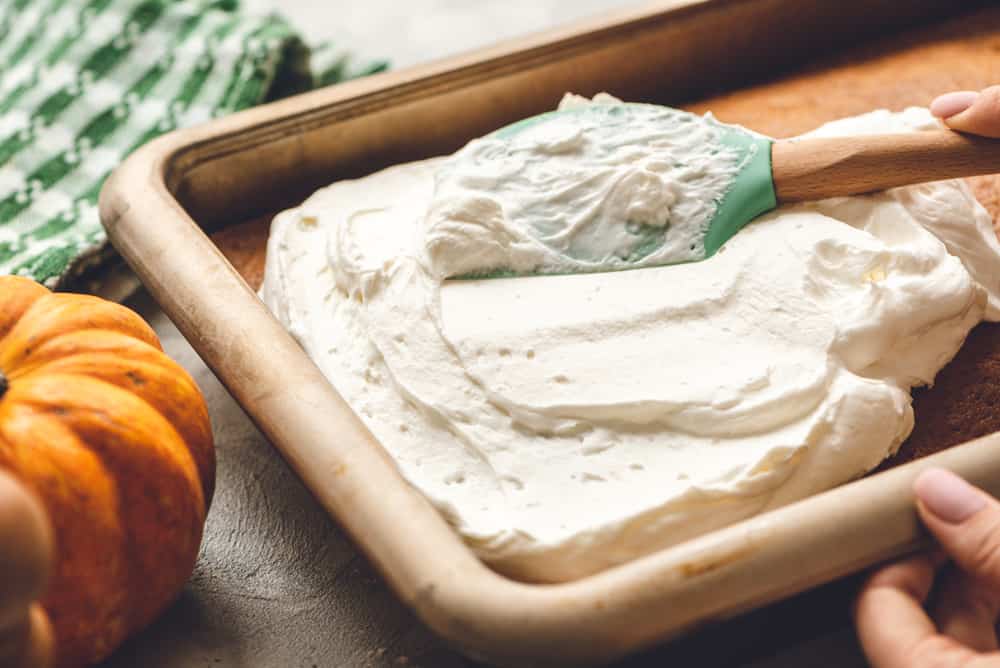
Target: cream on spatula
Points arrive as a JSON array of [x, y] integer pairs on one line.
[[601, 187]]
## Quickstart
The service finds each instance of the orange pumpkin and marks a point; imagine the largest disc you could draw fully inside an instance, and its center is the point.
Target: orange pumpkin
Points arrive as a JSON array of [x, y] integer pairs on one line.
[[114, 438]]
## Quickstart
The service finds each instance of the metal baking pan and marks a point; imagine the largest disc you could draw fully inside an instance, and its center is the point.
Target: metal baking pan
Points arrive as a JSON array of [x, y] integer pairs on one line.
[[164, 201]]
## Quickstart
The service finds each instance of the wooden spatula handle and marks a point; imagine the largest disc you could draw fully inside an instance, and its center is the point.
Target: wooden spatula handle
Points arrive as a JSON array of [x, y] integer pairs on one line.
[[810, 169]]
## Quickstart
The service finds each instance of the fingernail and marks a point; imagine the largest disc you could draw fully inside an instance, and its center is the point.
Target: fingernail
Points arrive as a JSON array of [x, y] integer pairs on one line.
[[949, 104], [947, 496]]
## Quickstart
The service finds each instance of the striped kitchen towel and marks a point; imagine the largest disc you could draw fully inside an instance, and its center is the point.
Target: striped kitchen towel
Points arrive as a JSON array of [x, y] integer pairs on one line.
[[85, 82]]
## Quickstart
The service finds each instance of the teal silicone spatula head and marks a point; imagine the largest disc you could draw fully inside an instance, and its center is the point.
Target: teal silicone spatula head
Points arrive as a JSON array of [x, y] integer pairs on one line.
[[598, 187], [603, 187], [751, 189]]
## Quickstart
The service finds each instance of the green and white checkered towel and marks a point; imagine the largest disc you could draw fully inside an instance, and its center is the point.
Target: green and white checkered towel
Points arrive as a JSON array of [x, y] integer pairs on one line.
[[85, 82]]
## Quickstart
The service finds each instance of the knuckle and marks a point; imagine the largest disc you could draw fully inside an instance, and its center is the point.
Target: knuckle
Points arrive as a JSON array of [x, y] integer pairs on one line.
[[937, 652], [984, 552], [983, 117], [982, 603], [990, 97], [914, 577]]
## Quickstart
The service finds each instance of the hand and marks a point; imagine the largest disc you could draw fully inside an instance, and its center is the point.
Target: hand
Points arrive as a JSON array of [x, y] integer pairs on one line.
[[900, 624], [25, 555], [969, 111]]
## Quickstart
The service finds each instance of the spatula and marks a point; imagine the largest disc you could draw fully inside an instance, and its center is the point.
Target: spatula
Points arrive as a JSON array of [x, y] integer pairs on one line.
[[786, 171]]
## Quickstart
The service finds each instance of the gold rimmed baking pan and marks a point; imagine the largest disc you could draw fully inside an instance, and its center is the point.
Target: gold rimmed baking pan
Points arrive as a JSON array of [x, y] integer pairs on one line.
[[190, 210]]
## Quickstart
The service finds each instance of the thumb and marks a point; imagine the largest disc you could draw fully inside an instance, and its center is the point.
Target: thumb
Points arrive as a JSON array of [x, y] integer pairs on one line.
[[25, 556], [965, 520], [969, 111], [39, 651]]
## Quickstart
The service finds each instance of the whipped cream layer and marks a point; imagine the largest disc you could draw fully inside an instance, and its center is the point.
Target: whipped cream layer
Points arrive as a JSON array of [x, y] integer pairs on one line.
[[567, 423]]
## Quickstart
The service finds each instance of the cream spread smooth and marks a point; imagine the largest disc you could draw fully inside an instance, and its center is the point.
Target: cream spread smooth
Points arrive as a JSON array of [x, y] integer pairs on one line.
[[566, 423]]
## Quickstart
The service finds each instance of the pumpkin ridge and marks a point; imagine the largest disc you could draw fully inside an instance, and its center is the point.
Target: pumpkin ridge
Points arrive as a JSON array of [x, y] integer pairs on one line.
[[156, 511], [122, 345], [45, 405], [84, 511], [67, 413], [115, 438], [57, 313], [165, 386]]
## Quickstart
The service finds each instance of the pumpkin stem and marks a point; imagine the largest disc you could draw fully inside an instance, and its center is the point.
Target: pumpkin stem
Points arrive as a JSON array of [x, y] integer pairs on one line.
[[4, 384]]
